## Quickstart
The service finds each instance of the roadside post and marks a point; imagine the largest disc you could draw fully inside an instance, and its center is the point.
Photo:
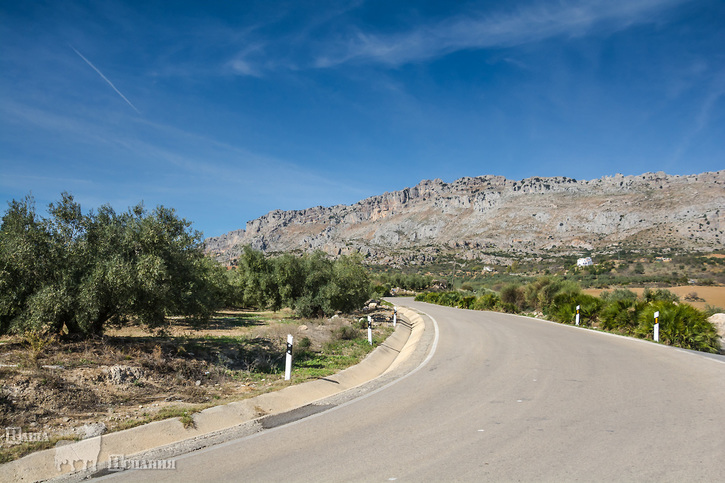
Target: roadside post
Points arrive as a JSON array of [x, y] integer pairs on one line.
[[657, 326], [395, 316], [288, 361], [370, 330], [577, 314]]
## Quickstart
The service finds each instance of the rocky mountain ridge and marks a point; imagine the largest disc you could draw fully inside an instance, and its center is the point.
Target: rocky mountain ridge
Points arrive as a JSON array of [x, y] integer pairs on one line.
[[476, 217]]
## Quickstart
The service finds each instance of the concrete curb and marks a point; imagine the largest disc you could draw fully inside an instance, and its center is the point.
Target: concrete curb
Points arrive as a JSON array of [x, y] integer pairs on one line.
[[258, 411]]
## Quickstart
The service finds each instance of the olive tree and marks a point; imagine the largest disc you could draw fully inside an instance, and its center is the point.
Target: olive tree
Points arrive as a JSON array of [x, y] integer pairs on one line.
[[80, 272]]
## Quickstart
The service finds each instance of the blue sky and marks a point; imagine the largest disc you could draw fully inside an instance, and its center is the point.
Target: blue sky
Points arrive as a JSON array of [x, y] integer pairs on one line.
[[225, 110]]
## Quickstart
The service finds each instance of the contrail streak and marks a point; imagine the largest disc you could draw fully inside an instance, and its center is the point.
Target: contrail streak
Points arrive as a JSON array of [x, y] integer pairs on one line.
[[105, 79]]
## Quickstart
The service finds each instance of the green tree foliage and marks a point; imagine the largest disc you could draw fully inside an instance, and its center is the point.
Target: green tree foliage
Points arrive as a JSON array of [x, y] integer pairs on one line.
[[255, 283], [349, 287], [414, 281], [313, 284], [78, 273]]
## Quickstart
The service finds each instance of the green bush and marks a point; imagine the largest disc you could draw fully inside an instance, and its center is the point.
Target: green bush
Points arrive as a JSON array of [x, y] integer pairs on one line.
[[513, 294], [563, 308], [382, 290], [347, 332], [621, 315], [618, 294], [487, 301], [467, 302], [681, 325], [620, 310], [659, 295], [302, 350], [509, 308]]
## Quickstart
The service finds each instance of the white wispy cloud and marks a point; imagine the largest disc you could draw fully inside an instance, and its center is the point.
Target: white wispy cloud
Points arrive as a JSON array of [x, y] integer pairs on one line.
[[106, 79], [524, 25], [701, 120]]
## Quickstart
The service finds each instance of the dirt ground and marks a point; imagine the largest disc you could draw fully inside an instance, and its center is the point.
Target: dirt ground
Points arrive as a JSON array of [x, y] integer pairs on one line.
[[705, 295], [128, 376]]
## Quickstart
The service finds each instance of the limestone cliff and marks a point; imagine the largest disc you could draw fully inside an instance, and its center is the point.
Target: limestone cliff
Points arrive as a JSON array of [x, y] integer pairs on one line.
[[473, 217]]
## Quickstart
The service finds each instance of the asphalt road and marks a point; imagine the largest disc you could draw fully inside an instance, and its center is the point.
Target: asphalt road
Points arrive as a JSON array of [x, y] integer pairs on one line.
[[502, 398]]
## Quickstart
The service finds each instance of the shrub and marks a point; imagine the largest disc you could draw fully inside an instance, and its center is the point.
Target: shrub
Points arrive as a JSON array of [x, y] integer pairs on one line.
[[382, 290], [347, 332], [509, 308], [621, 315], [487, 301], [680, 325], [514, 294], [659, 294], [563, 309], [451, 299], [302, 350], [467, 302], [618, 294]]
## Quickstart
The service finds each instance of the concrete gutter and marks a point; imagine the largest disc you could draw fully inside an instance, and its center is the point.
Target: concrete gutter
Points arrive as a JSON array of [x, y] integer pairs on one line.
[[227, 421]]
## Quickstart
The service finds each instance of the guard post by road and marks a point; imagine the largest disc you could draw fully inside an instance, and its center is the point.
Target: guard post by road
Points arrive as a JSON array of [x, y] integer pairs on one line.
[[657, 326], [370, 330], [288, 360]]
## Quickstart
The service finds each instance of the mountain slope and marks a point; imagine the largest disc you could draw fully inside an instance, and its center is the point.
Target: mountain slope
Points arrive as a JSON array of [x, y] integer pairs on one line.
[[474, 217]]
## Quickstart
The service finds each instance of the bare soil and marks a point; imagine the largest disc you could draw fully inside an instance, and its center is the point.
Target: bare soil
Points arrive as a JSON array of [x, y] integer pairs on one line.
[[128, 376]]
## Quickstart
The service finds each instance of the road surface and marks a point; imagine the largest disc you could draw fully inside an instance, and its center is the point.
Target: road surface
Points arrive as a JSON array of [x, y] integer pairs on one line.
[[502, 398]]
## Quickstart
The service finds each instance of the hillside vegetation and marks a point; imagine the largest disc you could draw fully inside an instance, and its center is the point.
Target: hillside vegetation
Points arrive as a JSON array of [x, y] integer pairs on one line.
[[620, 311], [76, 274]]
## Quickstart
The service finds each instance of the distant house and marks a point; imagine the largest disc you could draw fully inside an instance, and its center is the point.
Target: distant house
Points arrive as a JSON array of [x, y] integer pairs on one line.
[[584, 262]]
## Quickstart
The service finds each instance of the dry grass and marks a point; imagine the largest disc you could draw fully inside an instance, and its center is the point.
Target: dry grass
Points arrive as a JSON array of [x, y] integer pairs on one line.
[[129, 377]]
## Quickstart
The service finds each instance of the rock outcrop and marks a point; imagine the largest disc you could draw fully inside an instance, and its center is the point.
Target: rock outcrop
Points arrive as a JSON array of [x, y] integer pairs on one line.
[[475, 217]]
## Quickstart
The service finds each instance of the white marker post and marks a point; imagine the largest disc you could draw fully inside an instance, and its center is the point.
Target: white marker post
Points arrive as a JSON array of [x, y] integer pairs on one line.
[[370, 330], [395, 316], [577, 314], [288, 361], [657, 326]]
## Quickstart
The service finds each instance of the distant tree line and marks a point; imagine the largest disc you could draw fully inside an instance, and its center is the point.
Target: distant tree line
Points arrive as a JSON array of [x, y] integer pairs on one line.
[[620, 311], [76, 274], [384, 282]]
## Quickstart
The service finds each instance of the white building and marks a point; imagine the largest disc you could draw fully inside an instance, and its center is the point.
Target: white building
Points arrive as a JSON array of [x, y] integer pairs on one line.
[[584, 262]]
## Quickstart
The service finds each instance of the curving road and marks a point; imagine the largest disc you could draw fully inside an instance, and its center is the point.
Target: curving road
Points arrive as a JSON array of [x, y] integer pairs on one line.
[[502, 398]]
